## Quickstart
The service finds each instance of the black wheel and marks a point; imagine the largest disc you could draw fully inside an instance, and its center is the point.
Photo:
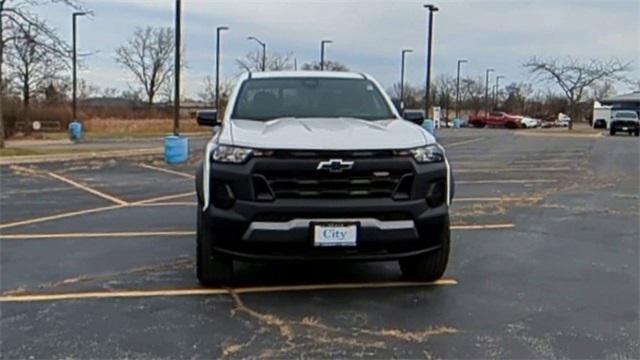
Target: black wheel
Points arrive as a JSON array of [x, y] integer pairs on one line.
[[429, 266], [637, 133], [211, 268], [612, 132]]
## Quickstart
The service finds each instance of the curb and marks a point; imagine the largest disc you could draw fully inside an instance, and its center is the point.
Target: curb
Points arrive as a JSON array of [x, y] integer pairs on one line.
[[34, 159]]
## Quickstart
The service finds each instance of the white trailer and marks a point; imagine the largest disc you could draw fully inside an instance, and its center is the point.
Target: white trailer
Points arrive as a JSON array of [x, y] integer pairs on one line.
[[602, 116]]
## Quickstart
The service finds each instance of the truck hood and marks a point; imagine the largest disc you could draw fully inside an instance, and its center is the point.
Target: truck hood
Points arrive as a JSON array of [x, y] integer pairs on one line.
[[325, 134]]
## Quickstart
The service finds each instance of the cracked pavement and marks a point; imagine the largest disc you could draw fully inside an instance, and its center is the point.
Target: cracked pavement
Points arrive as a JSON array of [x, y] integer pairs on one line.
[[562, 282]]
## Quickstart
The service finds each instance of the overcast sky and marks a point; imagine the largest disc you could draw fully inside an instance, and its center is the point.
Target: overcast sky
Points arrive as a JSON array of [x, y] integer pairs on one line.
[[368, 35]]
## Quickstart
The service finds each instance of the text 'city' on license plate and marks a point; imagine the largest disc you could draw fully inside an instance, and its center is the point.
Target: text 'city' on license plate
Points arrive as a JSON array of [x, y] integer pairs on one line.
[[335, 235]]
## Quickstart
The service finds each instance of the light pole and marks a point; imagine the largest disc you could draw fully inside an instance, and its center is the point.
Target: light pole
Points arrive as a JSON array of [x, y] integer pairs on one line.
[[486, 92], [497, 89], [176, 85], [264, 51], [460, 61], [218, 30], [322, 44], [74, 65], [432, 9], [404, 52]]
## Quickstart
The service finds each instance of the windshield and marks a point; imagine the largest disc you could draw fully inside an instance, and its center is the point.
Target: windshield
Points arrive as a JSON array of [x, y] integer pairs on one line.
[[626, 115], [266, 99]]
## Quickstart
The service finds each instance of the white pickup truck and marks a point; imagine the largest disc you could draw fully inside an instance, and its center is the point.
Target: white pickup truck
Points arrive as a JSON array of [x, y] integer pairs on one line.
[[310, 166]]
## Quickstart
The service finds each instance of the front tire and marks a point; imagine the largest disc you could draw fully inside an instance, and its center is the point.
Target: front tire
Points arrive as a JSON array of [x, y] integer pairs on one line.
[[612, 131], [212, 269], [429, 266]]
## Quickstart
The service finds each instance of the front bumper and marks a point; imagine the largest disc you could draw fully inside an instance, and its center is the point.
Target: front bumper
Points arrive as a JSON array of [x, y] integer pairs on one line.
[[281, 229], [625, 125]]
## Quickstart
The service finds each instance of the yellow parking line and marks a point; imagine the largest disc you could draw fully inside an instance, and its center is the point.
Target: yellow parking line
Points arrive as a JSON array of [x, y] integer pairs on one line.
[[88, 189], [459, 143], [163, 198], [60, 216], [497, 181], [172, 203], [218, 291], [483, 227], [95, 235], [534, 169], [168, 171], [90, 211], [498, 198], [185, 233]]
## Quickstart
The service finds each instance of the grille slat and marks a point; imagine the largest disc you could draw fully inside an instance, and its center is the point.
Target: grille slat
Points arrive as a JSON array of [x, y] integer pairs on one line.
[[328, 186]]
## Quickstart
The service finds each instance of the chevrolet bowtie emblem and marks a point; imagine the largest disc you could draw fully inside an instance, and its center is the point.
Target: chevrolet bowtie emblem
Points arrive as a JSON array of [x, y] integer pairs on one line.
[[335, 165]]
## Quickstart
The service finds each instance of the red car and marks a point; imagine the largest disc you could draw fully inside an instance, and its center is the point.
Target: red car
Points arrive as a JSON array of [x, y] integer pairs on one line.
[[495, 119]]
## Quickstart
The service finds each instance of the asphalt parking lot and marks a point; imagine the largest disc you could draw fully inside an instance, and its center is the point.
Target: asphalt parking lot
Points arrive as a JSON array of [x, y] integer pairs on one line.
[[96, 261]]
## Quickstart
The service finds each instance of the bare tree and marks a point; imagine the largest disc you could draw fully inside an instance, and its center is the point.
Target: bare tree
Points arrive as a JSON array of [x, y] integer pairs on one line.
[[33, 62], [16, 14], [517, 96], [574, 76], [148, 55], [329, 65], [472, 94], [252, 61], [208, 93], [413, 96]]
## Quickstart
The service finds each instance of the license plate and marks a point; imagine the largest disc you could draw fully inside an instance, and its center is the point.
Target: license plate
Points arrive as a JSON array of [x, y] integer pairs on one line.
[[335, 235], [625, 128]]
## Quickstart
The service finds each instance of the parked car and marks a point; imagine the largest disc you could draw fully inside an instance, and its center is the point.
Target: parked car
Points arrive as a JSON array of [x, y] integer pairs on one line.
[[625, 121], [562, 120], [528, 122], [495, 119], [320, 166]]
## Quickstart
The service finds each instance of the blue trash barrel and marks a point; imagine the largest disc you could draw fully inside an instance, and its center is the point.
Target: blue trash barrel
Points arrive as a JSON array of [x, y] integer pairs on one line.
[[428, 125], [75, 130], [456, 123], [176, 149]]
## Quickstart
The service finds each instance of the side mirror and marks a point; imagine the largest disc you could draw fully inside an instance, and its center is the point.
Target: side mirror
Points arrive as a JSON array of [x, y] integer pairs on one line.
[[415, 116], [207, 118]]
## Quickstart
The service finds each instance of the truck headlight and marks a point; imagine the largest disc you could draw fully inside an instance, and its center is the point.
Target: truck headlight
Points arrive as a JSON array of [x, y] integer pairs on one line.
[[424, 154], [230, 154]]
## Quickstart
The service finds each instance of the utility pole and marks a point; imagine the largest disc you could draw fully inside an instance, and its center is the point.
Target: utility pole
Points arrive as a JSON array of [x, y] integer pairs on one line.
[[264, 51], [218, 30], [176, 65], [460, 61], [497, 89], [404, 52], [486, 92], [322, 44], [74, 62], [432, 9]]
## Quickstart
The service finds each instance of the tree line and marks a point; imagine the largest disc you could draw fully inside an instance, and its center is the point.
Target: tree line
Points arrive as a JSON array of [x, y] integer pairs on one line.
[[36, 65]]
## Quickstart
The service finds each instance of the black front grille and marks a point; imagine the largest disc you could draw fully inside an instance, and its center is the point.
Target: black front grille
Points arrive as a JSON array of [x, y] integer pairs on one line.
[[349, 184]]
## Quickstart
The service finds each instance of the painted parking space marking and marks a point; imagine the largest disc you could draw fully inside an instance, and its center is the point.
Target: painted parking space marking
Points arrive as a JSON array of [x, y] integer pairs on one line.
[[96, 235], [465, 142], [188, 233], [217, 291], [87, 189], [498, 199], [94, 210], [512, 181], [60, 216], [514, 169], [168, 171]]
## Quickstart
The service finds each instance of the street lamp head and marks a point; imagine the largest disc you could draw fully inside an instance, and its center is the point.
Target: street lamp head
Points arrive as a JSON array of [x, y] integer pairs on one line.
[[327, 41], [79, 13], [220, 28], [407, 50], [462, 61], [431, 7]]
